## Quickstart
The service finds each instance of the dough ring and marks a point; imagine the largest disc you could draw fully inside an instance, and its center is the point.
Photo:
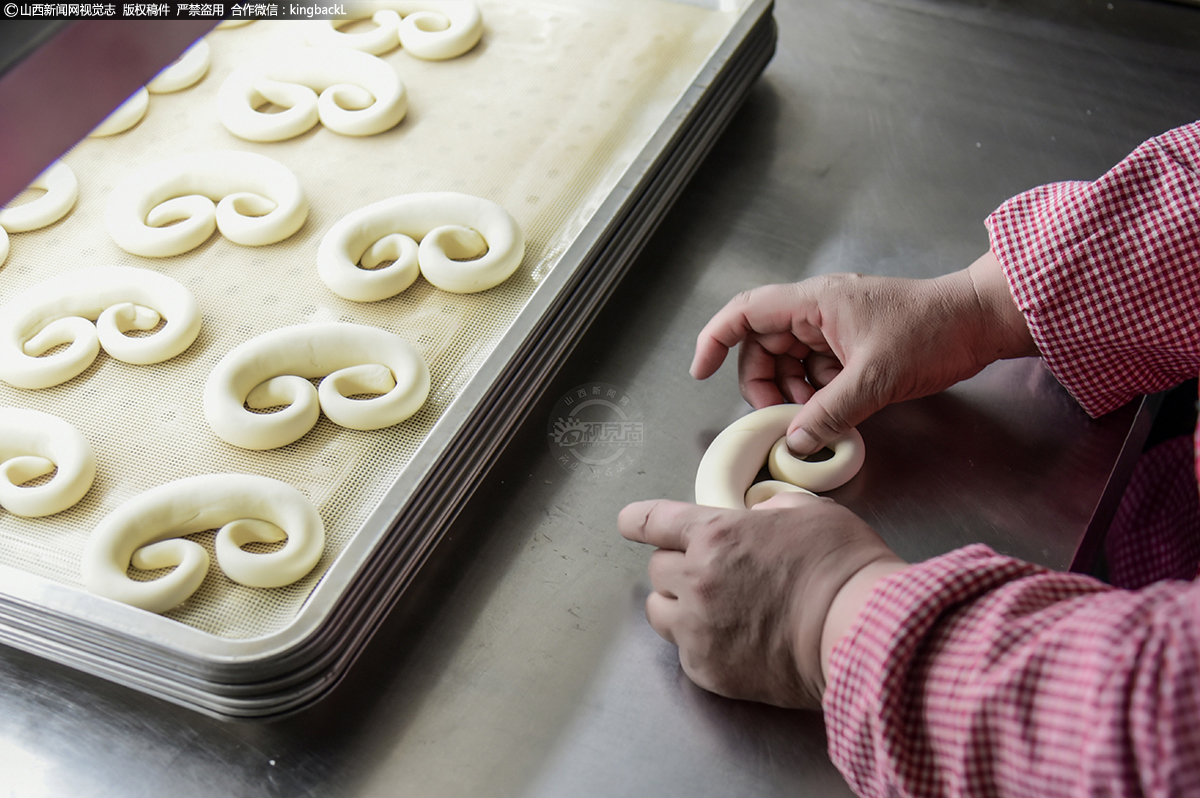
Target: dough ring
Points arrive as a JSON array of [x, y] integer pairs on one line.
[[186, 71], [430, 29], [147, 531], [251, 198], [351, 93], [128, 114], [33, 444], [61, 310], [447, 224], [274, 369], [733, 460]]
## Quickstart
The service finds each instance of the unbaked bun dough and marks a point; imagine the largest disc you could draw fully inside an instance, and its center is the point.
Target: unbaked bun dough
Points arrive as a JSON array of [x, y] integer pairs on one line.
[[62, 309], [148, 531], [351, 93], [467, 244], [128, 114], [274, 369], [62, 190], [33, 444], [186, 71], [429, 29], [735, 457], [252, 199]]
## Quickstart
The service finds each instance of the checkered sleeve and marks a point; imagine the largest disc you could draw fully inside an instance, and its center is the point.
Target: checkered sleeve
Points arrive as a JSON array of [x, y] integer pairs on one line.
[[1107, 273], [975, 674]]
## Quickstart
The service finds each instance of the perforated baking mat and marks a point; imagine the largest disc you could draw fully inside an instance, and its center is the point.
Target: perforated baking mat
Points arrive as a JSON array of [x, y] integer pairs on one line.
[[544, 117]]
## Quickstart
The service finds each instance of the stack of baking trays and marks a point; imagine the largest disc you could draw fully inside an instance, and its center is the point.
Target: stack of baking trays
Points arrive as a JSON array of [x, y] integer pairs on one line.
[[582, 118]]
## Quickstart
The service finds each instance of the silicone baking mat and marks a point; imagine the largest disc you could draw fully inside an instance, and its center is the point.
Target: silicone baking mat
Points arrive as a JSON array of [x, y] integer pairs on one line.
[[542, 117]]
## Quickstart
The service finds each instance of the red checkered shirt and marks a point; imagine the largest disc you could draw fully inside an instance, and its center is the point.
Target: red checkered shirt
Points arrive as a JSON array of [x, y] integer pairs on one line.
[[977, 674]]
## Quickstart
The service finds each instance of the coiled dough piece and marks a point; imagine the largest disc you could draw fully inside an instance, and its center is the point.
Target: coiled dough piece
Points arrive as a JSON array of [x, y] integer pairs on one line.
[[274, 369], [450, 227], [62, 309], [186, 71], [128, 114], [430, 29], [62, 190], [33, 444], [734, 458], [148, 531], [351, 93], [252, 199]]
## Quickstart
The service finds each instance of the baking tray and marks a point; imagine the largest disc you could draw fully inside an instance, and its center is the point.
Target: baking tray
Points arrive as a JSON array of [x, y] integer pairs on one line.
[[286, 668]]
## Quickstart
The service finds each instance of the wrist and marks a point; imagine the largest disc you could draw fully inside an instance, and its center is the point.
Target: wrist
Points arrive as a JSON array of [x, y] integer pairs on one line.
[[1006, 333], [980, 307], [849, 601]]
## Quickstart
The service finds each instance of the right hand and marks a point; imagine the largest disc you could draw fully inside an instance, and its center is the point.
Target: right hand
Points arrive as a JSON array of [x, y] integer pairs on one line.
[[846, 345]]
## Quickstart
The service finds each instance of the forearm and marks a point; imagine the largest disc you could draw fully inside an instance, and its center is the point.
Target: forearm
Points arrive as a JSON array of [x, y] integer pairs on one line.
[[1106, 272], [976, 674], [849, 603]]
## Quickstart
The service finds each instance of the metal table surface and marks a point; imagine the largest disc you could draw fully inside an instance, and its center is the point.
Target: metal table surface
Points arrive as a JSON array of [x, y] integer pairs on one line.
[[519, 663]]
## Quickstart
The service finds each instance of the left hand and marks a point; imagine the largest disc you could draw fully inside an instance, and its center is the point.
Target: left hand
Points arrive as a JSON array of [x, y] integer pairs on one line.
[[744, 594]]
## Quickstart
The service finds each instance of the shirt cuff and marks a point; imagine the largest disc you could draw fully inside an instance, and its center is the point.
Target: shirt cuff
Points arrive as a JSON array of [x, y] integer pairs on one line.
[[1104, 272], [865, 716]]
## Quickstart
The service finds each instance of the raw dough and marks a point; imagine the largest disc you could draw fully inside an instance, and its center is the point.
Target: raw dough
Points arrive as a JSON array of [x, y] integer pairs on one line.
[[359, 95], [429, 29], [128, 114], [257, 200], [274, 369], [148, 531], [733, 460], [62, 189], [447, 224], [187, 70], [32, 444], [61, 310]]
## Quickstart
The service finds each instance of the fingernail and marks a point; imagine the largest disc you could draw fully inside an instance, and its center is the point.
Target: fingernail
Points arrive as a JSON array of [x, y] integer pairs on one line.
[[801, 443]]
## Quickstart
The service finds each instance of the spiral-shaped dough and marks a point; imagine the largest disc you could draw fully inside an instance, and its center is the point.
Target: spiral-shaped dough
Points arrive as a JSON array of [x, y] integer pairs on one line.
[[467, 244], [148, 531], [274, 369], [351, 93], [61, 310], [430, 29], [33, 444], [128, 114], [734, 458], [62, 189], [187, 70], [252, 199]]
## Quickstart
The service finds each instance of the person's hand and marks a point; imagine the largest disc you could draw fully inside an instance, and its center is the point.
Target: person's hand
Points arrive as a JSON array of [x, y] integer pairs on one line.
[[745, 594], [846, 345]]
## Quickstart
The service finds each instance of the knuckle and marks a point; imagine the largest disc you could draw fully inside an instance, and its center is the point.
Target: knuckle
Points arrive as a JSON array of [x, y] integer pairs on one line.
[[742, 298]]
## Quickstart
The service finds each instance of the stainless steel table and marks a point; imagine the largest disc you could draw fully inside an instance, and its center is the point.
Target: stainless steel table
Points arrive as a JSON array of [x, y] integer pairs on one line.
[[520, 663]]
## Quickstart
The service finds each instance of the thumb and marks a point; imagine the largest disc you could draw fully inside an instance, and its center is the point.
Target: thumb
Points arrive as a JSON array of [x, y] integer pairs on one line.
[[829, 414]]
